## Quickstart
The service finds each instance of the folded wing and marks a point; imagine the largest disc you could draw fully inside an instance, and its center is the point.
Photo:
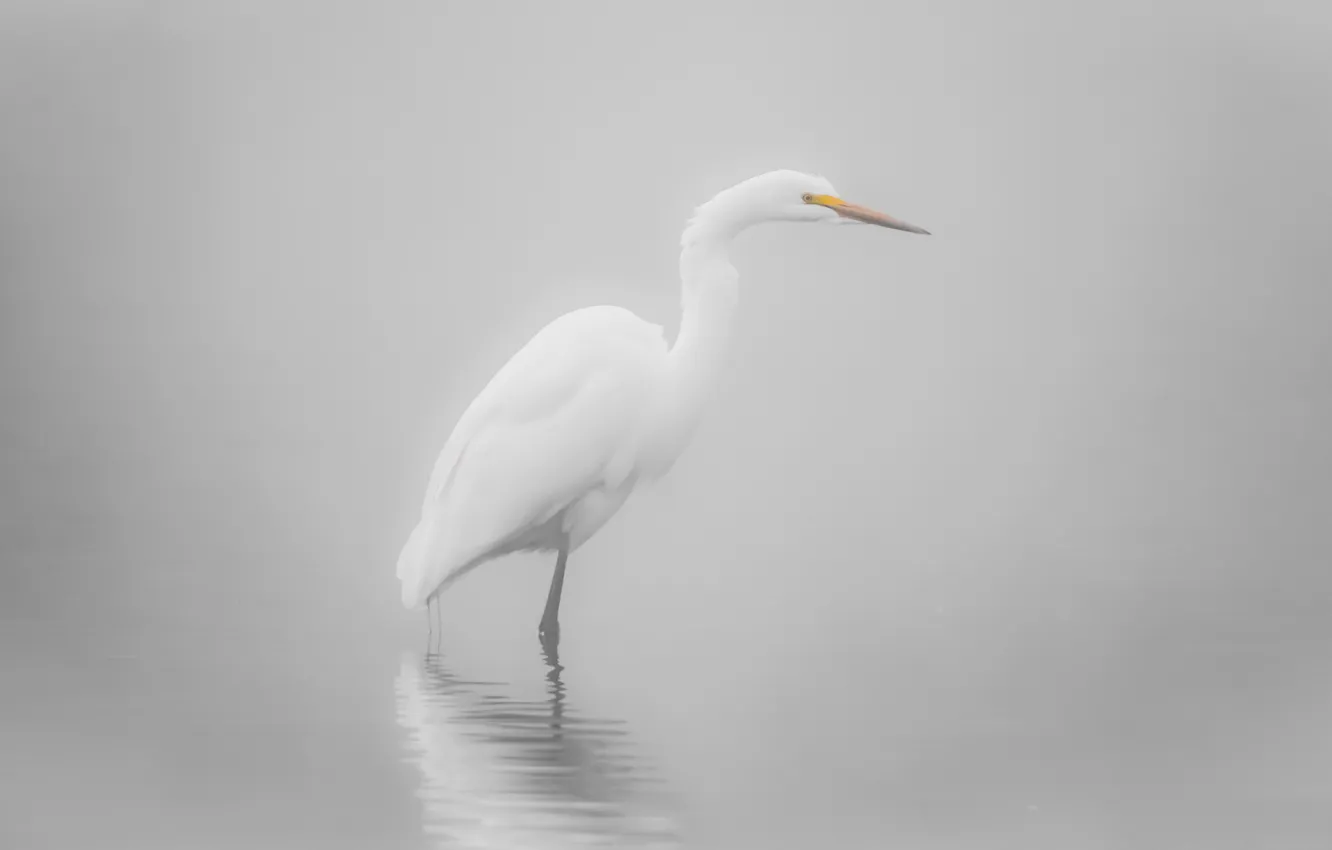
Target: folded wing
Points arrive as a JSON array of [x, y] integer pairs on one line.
[[560, 419]]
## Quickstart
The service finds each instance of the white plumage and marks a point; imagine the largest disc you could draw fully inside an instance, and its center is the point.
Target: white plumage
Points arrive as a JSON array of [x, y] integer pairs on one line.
[[595, 404], [546, 453]]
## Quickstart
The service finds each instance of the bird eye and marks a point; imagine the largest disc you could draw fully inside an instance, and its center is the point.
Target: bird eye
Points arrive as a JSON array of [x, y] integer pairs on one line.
[[807, 197]]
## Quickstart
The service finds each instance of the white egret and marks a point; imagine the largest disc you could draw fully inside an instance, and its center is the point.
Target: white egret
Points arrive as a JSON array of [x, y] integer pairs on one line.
[[594, 405]]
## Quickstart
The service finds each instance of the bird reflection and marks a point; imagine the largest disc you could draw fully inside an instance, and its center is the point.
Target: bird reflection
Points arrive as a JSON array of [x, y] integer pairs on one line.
[[502, 772]]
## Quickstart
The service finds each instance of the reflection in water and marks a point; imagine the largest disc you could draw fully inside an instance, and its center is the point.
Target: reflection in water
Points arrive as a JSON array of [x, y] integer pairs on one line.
[[503, 773]]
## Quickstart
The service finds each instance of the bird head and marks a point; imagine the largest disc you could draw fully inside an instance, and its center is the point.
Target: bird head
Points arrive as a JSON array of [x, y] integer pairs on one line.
[[791, 196]]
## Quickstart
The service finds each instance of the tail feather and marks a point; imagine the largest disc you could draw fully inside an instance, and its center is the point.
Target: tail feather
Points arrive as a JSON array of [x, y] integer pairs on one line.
[[418, 562], [430, 561]]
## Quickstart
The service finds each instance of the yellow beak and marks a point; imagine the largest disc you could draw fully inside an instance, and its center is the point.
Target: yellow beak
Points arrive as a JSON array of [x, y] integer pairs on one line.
[[865, 214]]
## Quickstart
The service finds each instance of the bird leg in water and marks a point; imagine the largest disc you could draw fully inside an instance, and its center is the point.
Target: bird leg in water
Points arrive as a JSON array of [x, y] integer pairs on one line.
[[434, 624], [549, 630]]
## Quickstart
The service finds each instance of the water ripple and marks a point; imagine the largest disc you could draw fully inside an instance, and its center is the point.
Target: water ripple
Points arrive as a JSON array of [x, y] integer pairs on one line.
[[503, 773]]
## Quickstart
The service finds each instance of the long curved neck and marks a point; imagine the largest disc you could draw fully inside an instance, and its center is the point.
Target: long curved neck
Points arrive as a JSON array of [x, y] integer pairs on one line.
[[709, 295]]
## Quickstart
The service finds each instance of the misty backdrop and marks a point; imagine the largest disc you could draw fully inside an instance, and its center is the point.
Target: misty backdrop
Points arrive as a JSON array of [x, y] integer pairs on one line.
[[1017, 534]]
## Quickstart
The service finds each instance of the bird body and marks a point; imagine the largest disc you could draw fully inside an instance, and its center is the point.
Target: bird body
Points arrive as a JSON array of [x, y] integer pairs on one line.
[[548, 451], [594, 405]]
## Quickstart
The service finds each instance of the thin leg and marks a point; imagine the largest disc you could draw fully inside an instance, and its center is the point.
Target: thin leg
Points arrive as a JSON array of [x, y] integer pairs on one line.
[[549, 631], [430, 629]]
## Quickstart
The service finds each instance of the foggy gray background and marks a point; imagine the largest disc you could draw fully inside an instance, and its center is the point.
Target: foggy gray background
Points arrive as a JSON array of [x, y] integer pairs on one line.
[[1016, 536]]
